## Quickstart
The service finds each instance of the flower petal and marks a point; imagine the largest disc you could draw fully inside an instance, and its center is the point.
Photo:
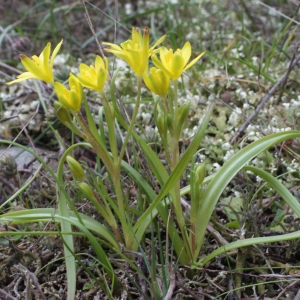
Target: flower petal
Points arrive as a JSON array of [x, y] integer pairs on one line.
[[30, 65], [55, 51], [74, 101], [102, 76], [194, 61], [159, 41], [186, 52], [44, 57], [99, 64], [59, 88], [22, 77], [158, 64], [177, 65], [112, 46]]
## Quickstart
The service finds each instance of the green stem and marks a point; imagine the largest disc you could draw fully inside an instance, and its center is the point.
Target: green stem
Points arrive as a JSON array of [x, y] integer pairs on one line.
[[110, 120], [132, 122], [128, 236], [163, 112], [96, 146], [175, 194], [175, 102]]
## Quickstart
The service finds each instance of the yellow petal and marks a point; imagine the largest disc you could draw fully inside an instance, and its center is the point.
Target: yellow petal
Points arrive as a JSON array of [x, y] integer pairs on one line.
[[22, 77], [36, 59], [102, 76], [177, 65], [163, 53], [44, 57], [117, 53], [150, 83], [159, 41], [55, 51], [73, 81], [186, 52], [83, 68], [135, 35], [112, 46], [194, 61], [38, 71], [74, 101], [157, 63], [157, 81], [59, 88], [146, 41], [99, 63], [86, 82], [30, 65], [165, 81]]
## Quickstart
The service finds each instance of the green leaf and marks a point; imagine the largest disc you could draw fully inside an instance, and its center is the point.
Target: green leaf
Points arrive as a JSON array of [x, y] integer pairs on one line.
[[278, 187], [254, 68], [218, 183], [47, 215], [249, 242]]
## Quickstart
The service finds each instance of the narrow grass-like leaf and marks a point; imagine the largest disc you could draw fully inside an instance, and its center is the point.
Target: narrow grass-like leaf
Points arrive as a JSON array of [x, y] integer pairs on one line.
[[278, 187], [249, 242], [49, 214], [218, 183], [254, 68]]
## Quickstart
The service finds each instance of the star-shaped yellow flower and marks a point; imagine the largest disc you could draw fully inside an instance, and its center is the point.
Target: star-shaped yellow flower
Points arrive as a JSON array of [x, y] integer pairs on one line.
[[136, 51], [94, 77], [39, 67], [72, 98], [174, 64], [157, 81]]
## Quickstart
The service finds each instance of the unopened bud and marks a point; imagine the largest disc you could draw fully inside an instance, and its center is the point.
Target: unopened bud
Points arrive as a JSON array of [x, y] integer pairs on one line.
[[86, 189], [169, 122], [160, 123], [62, 113], [200, 171], [75, 168], [183, 113]]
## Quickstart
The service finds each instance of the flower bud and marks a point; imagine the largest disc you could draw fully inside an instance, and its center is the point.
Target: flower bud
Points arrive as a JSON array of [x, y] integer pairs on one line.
[[200, 172], [72, 98], [86, 189], [183, 113], [62, 113], [160, 123], [169, 122], [75, 168], [157, 81]]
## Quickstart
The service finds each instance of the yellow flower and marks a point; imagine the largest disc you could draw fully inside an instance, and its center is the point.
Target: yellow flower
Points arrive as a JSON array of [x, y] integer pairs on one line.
[[136, 51], [39, 67], [94, 77], [70, 99], [174, 64], [157, 81]]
